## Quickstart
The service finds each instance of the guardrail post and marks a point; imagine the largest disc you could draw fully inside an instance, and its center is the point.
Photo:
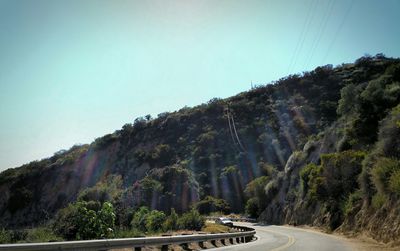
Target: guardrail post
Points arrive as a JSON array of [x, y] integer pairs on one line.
[[237, 240], [201, 245], [185, 246], [223, 242], [242, 239], [214, 243]]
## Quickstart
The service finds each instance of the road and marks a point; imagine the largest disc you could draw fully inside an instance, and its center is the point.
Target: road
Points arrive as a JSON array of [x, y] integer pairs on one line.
[[279, 238]]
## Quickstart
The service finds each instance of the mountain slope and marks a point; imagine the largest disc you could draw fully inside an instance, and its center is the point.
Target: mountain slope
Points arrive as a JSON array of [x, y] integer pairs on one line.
[[262, 146]]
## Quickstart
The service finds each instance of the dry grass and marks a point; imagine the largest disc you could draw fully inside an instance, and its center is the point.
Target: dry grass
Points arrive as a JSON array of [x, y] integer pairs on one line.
[[214, 228]]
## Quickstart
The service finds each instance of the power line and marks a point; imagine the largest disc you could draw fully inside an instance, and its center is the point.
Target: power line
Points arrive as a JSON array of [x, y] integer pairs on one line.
[[303, 35], [321, 31], [300, 37], [233, 131], [237, 136], [337, 31]]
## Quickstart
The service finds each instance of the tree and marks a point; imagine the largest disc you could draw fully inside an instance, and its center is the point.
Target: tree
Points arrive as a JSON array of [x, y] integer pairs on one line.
[[109, 189], [162, 155], [211, 204], [252, 208], [82, 221], [348, 102]]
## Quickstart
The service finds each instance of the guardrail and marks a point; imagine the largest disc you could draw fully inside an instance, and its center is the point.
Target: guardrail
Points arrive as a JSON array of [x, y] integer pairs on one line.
[[243, 235]]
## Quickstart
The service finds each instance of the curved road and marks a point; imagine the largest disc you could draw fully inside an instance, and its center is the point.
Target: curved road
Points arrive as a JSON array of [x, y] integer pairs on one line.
[[277, 238]]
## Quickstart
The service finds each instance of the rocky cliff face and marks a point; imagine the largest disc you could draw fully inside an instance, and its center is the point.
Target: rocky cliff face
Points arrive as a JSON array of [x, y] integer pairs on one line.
[[292, 206], [346, 178]]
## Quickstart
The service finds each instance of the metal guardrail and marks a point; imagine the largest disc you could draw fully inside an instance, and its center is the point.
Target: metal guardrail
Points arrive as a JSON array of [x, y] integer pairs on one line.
[[245, 234]]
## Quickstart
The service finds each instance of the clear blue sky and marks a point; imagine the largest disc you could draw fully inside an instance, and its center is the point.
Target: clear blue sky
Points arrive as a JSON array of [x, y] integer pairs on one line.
[[71, 71]]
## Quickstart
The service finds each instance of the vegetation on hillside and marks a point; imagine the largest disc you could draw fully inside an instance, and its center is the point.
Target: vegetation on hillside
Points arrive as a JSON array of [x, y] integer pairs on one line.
[[321, 147]]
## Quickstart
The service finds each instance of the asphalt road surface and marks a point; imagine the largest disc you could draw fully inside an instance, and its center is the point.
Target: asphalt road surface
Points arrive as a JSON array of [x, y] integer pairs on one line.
[[277, 238]]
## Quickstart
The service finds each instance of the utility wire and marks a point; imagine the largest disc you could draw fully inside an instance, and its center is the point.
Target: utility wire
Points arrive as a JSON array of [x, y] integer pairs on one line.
[[231, 131], [337, 31], [237, 136], [321, 31], [305, 35], [302, 37]]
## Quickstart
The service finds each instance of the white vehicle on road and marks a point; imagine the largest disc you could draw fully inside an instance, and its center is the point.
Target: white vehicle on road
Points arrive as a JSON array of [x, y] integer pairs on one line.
[[224, 221]]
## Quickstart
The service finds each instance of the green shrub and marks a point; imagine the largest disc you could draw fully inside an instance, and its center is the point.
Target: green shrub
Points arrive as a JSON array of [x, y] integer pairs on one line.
[[5, 236], [340, 171], [229, 170], [139, 219], [335, 178], [211, 204], [155, 220], [382, 172], [394, 182], [207, 138], [333, 183], [42, 234], [255, 188], [81, 221], [95, 193], [349, 99], [124, 216], [311, 180], [18, 235], [191, 220], [162, 155], [171, 223], [364, 179], [12, 236], [106, 220], [261, 188], [65, 223], [128, 233], [270, 190], [106, 190], [378, 200], [352, 200], [105, 141], [150, 185], [252, 207]]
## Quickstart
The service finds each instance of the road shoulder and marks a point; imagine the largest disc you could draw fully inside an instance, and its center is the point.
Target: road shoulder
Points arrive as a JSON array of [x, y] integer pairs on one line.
[[357, 242]]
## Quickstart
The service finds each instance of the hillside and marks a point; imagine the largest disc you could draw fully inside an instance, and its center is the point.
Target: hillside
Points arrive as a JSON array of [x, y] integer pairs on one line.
[[319, 148]]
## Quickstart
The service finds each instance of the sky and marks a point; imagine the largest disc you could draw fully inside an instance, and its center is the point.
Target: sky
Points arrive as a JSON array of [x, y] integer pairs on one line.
[[72, 71]]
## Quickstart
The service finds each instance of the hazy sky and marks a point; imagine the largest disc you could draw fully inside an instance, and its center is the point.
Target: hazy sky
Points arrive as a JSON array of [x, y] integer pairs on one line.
[[71, 71]]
